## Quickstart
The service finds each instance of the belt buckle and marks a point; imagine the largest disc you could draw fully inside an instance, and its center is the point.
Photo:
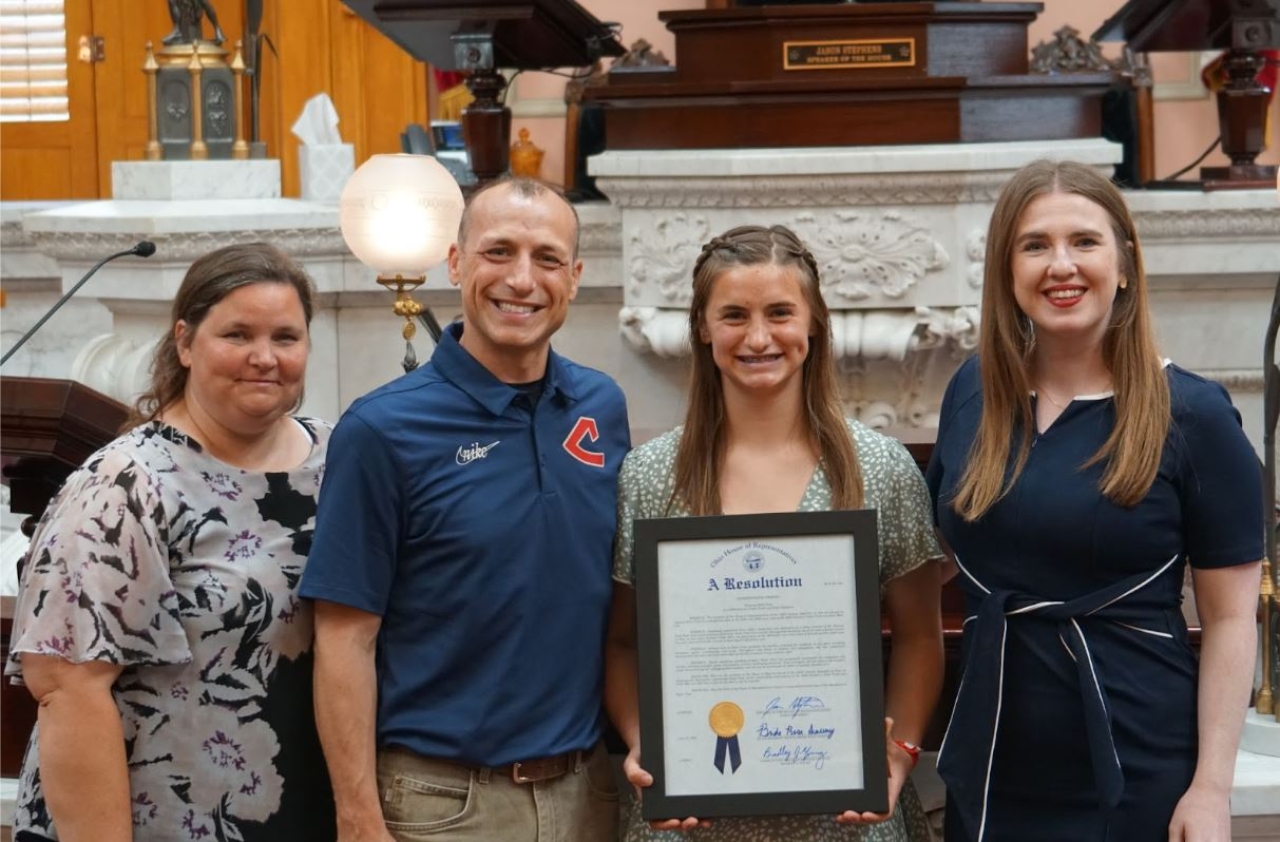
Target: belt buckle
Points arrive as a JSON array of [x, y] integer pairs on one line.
[[542, 770], [519, 777]]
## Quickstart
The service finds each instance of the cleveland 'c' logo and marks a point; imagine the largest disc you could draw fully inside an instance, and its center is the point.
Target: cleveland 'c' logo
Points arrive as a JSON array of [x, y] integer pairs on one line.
[[585, 429]]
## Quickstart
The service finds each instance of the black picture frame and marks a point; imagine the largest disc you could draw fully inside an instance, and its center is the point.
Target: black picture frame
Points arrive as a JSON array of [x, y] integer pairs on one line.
[[861, 526]]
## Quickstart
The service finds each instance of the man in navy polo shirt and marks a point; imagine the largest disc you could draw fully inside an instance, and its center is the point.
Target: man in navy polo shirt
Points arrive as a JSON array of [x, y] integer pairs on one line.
[[461, 561]]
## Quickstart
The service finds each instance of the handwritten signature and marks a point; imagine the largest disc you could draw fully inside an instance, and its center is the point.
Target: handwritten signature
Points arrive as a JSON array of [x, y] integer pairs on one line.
[[804, 755], [766, 731], [800, 704]]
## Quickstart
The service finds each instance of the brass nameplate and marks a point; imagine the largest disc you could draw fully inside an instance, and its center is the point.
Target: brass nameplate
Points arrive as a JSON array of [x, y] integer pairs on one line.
[[842, 55]]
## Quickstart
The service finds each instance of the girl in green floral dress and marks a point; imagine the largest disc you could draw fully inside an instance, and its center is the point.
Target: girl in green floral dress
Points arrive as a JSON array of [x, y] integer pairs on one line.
[[764, 403]]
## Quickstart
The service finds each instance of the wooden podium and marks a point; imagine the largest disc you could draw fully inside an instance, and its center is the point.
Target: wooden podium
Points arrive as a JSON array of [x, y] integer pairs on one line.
[[47, 429], [480, 37], [1242, 28], [848, 74]]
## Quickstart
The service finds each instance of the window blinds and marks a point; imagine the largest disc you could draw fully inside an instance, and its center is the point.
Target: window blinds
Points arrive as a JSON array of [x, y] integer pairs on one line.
[[33, 61]]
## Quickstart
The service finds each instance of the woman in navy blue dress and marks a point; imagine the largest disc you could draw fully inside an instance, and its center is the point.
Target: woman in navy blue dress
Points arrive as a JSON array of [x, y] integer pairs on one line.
[[1076, 475]]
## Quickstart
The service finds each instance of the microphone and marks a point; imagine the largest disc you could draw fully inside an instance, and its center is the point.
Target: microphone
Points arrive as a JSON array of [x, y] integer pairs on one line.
[[146, 248]]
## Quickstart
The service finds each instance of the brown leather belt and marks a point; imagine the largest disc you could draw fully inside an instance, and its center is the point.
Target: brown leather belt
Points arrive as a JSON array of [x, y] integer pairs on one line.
[[542, 768]]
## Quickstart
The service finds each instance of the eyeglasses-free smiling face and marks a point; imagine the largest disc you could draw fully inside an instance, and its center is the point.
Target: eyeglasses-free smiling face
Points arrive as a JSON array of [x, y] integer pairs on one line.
[[247, 360], [517, 273], [1066, 268], [758, 324]]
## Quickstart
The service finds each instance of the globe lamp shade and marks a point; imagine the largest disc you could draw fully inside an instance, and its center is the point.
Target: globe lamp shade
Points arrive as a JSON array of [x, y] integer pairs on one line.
[[400, 213]]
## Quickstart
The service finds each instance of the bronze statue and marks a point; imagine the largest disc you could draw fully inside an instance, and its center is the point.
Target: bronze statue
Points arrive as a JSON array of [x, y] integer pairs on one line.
[[188, 22]]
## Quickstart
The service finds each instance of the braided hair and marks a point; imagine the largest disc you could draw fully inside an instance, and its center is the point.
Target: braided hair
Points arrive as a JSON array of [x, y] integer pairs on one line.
[[697, 477]]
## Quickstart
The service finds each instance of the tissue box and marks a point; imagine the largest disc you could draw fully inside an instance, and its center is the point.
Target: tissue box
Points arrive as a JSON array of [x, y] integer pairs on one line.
[[324, 170]]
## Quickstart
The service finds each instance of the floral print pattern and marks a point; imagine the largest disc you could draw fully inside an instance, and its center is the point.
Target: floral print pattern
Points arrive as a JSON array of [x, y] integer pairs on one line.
[[184, 571], [894, 486]]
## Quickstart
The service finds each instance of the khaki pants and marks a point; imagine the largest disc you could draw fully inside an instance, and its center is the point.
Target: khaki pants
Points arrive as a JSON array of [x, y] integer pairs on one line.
[[436, 800]]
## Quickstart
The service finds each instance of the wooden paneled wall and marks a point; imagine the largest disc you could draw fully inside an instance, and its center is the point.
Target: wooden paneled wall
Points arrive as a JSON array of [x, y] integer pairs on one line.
[[323, 48]]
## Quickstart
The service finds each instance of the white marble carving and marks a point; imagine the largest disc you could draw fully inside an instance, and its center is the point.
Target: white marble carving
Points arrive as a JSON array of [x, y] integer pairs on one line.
[[860, 253], [1211, 258], [664, 255], [185, 245], [940, 326], [879, 334], [22, 260], [975, 248], [770, 179], [601, 229], [115, 366], [657, 330]]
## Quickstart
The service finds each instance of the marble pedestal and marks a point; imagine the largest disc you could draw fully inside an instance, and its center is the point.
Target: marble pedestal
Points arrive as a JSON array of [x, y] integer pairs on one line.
[[187, 208], [195, 180], [1261, 734], [899, 234]]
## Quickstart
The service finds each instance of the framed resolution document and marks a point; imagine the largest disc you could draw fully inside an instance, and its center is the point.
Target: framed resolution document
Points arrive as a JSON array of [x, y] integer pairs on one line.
[[761, 682]]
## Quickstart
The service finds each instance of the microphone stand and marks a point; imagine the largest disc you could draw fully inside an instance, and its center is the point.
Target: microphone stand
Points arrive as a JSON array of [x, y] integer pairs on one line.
[[142, 249]]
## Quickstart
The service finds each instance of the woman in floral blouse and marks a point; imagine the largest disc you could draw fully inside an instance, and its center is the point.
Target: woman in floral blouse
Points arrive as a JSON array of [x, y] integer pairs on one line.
[[157, 622], [765, 433]]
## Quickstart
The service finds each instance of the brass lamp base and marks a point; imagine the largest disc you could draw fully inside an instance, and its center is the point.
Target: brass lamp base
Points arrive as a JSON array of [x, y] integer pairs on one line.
[[408, 308]]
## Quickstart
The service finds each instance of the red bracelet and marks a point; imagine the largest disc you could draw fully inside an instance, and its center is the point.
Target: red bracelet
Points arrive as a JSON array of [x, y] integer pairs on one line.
[[911, 749]]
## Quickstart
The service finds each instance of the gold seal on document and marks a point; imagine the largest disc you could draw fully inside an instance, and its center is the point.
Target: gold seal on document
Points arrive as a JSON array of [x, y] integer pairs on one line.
[[726, 719]]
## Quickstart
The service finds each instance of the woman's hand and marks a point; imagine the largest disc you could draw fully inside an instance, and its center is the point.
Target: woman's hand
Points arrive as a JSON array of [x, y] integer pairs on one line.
[[1226, 599], [640, 779], [1202, 815], [900, 765]]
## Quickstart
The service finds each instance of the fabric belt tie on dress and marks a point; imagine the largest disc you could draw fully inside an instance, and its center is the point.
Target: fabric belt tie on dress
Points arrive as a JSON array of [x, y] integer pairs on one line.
[[976, 714]]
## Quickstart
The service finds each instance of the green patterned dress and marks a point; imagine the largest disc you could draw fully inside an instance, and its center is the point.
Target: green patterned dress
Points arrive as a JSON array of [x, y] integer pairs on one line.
[[892, 485]]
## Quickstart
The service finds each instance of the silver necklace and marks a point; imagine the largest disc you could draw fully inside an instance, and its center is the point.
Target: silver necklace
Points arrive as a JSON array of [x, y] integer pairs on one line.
[[1050, 399]]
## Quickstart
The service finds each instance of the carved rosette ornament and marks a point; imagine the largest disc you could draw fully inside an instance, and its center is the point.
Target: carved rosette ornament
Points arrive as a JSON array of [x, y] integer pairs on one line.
[[664, 257], [861, 253]]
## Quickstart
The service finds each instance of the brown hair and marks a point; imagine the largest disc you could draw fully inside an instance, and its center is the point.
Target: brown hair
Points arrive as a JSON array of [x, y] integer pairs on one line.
[[701, 455], [527, 188], [1007, 340], [209, 280]]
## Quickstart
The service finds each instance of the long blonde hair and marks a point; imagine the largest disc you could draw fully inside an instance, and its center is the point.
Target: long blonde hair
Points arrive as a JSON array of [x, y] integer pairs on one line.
[[702, 447], [1007, 340]]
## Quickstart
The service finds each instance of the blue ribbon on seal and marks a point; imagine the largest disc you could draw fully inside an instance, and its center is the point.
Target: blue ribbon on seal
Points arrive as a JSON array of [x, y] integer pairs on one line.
[[729, 744]]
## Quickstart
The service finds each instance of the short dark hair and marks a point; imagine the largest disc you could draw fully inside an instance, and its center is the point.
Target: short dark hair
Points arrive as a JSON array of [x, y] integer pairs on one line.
[[529, 188]]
